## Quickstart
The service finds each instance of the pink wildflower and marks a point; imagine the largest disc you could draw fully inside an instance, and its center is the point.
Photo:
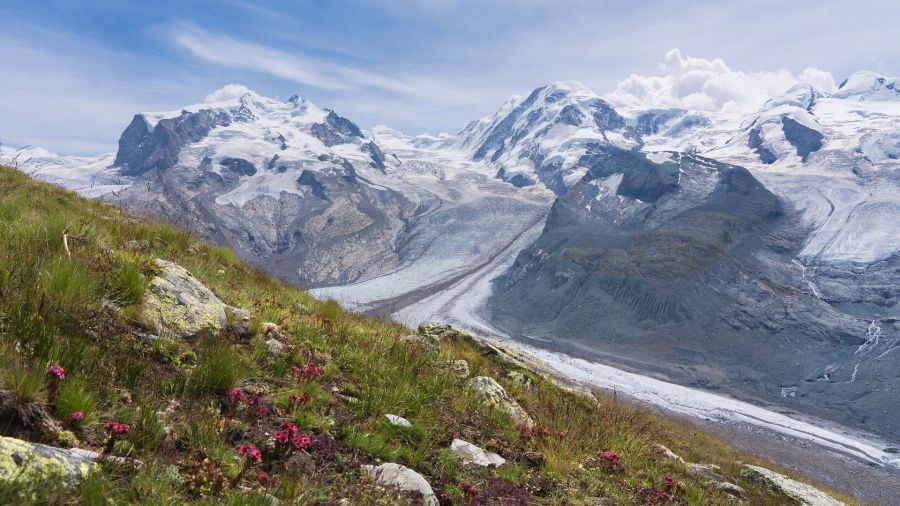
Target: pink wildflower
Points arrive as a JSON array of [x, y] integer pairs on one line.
[[56, 371], [670, 483], [301, 441], [311, 371], [250, 452], [236, 395], [469, 490], [116, 428], [612, 461], [264, 479]]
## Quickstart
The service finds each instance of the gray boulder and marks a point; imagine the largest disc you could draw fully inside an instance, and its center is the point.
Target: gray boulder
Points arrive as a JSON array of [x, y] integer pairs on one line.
[[34, 465], [710, 472], [730, 489], [493, 392], [179, 305], [274, 346], [402, 478]]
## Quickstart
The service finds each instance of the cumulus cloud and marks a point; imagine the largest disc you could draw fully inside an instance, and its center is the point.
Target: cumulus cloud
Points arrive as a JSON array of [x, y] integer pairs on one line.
[[227, 92], [710, 85]]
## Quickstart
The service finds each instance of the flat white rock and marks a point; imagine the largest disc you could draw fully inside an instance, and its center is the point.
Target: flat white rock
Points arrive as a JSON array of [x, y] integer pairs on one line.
[[403, 478], [471, 454], [398, 421]]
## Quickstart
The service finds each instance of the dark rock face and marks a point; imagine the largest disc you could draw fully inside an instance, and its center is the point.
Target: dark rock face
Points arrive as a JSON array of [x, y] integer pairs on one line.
[[685, 271], [375, 154], [336, 130], [755, 142], [804, 139], [686, 123], [650, 122], [142, 149], [338, 228], [496, 140], [570, 115], [238, 166], [517, 180], [605, 117], [644, 180], [308, 178]]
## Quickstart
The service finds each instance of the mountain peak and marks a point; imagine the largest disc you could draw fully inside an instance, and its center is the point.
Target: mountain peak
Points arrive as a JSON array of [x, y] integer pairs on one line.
[[228, 93], [571, 87], [868, 85]]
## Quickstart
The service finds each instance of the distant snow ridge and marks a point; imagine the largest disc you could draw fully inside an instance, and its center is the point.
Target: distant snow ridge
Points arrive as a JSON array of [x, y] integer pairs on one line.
[[543, 137]]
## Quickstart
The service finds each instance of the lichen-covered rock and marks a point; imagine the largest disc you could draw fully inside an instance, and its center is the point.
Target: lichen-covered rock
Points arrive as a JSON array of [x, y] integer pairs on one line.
[[459, 368], [668, 454], [709, 472], [35, 465], [804, 494], [519, 379], [427, 341], [471, 454], [730, 489], [179, 305], [493, 392], [441, 331], [403, 478], [135, 245]]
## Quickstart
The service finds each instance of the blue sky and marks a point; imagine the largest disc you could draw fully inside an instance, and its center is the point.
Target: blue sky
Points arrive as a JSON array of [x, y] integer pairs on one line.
[[74, 72]]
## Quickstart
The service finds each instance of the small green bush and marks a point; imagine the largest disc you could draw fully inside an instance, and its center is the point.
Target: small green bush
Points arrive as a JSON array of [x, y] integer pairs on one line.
[[27, 382], [74, 395], [130, 280], [330, 309], [223, 256], [68, 283], [218, 368]]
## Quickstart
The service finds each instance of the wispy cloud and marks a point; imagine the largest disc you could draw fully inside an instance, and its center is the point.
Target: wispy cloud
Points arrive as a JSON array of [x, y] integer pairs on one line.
[[300, 68]]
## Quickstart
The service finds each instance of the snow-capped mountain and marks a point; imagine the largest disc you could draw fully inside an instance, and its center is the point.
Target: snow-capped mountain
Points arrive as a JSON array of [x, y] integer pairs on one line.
[[543, 137], [660, 257], [307, 195]]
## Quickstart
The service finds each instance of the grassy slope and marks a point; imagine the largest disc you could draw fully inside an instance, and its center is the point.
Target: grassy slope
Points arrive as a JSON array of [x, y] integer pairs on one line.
[[83, 314]]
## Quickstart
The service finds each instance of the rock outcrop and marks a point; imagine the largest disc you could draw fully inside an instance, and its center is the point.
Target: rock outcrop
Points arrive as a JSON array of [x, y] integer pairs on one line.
[[494, 393], [802, 493], [402, 478], [179, 305]]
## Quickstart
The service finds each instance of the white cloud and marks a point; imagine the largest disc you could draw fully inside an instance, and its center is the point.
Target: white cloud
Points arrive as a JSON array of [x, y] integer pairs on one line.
[[819, 78], [227, 92], [710, 85]]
